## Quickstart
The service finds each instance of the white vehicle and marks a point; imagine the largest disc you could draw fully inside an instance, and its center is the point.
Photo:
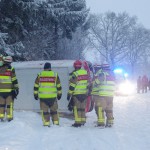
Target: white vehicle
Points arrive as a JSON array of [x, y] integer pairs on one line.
[[26, 73], [124, 86]]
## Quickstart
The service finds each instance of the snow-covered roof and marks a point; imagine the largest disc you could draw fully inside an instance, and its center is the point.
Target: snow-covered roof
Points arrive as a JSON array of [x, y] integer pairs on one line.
[[40, 64]]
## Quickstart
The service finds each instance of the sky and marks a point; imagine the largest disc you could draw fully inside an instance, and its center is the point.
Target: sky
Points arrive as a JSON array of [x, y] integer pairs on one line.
[[139, 8]]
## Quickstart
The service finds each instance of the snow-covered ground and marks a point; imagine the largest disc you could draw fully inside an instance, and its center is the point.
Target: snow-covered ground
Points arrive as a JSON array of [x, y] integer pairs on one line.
[[131, 130]]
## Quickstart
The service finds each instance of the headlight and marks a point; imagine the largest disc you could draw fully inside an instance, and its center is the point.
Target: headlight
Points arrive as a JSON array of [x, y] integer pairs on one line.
[[126, 88]]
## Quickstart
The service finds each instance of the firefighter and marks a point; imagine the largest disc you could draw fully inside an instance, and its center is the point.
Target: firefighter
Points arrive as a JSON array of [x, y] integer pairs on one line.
[[15, 91], [71, 104], [48, 89], [104, 104], [144, 84], [139, 84], [78, 89], [95, 86], [8, 88]]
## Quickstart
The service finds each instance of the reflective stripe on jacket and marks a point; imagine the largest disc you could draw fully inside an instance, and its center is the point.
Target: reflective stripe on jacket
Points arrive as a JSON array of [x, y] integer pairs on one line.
[[78, 82], [95, 88], [46, 85], [8, 80]]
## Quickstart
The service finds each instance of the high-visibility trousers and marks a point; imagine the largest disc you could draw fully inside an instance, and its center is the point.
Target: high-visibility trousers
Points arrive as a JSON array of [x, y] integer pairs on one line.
[[79, 109], [6, 107], [49, 108], [104, 107]]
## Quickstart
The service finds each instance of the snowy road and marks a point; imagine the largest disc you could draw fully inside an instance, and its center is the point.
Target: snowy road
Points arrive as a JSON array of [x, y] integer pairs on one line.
[[130, 132]]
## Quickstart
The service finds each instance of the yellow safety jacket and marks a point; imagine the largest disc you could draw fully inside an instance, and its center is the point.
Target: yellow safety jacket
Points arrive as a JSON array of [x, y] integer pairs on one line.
[[47, 86], [79, 82], [107, 86], [95, 88], [8, 80]]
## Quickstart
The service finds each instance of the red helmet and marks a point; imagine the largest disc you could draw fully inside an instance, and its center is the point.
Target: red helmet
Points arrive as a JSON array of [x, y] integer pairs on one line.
[[77, 64]]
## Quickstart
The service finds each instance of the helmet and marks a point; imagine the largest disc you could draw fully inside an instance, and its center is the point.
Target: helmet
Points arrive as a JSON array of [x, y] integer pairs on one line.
[[105, 66], [1, 60], [77, 64], [97, 67], [8, 59]]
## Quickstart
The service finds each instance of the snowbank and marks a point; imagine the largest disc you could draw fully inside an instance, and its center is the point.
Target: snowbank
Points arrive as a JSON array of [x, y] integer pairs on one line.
[[130, 131]]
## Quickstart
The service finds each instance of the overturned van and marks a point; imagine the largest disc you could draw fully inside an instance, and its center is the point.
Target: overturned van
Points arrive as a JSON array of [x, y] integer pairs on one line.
[[26, 73]]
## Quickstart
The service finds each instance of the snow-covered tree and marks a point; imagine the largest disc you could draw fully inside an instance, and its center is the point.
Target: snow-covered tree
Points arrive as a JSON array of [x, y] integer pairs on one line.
[[12, 21], [59, 20], [46, 22], [138, 44], [12, 14], [74, 47], [109, 34], [3, 45], [13, 49], [67, 15]]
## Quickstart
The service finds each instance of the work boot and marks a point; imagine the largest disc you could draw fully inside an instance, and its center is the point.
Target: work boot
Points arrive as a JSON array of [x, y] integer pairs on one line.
[[100, 125], [82, 124], [109, 125], [46, 125], [76, 125], [9, 120], [1, 120]]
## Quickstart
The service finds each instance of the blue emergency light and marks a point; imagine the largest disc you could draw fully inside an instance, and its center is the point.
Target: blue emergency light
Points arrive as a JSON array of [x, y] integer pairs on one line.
[[118, 70], [121, 71], [126, 74]]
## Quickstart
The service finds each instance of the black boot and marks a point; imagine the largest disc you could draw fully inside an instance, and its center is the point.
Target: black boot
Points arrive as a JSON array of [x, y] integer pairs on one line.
[[108, 125], [1, 120], [82, 124], [47, 126], [100, 125], [76, 125], [9, 119]]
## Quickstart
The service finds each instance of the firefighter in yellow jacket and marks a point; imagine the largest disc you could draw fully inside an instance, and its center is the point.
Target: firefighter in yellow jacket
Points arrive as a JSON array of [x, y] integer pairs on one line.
[[48, 89], [95, 87], [104, 104], [78, 90], [8, 88]]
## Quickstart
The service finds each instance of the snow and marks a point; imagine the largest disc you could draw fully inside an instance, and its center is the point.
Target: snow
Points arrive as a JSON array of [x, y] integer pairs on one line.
[[130, 131], [40, 64]]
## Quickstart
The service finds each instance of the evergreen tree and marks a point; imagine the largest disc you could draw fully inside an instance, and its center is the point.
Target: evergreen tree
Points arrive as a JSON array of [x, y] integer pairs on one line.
[[67, 16], [45, 23]]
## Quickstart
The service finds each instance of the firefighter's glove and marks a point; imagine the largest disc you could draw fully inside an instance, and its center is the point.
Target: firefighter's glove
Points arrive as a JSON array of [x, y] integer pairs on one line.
[[68, 97], [36, 97], [70, 105], [89, 93], [59, 96], [15, 93]]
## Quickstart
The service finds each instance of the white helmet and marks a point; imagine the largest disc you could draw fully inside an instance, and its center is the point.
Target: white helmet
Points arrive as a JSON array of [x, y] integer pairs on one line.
[[8, 59], [1, 60]]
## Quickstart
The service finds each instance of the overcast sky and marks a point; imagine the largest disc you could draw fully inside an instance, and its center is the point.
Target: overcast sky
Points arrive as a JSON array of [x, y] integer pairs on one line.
[[139, 8]]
